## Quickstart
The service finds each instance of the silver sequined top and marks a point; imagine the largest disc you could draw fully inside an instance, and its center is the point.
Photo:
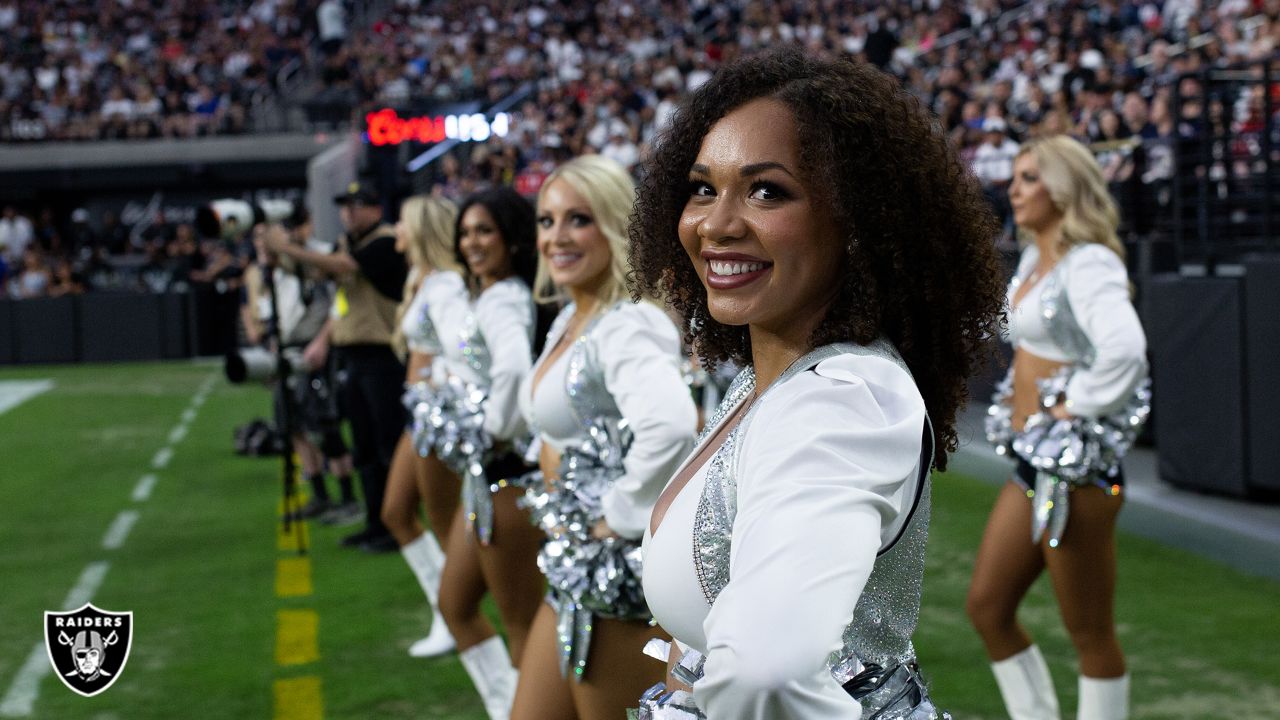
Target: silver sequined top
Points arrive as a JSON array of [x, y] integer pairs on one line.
[[1088, 319], [625, 363], [881, 623], [440, 293], [487, 344]]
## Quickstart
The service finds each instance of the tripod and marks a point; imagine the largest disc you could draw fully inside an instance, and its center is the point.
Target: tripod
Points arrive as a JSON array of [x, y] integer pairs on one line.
[[285, 421]]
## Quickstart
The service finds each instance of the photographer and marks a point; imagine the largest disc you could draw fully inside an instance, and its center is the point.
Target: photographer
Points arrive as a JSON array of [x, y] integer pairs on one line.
[[370, 274], [301, 308]]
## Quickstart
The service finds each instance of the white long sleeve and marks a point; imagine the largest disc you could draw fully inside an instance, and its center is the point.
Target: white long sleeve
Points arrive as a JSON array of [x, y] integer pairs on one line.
[[504, 313], [1098, 290], [639, 350], [821, 481]]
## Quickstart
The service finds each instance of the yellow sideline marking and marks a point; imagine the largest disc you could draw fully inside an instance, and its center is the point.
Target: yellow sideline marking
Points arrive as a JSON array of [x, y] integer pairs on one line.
[[296, 637], [287, 539], [297, 629], [293, 576], [298, 699]]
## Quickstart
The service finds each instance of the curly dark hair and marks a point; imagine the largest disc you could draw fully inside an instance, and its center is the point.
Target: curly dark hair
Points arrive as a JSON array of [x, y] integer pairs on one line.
[[514, 216], [922, 270]]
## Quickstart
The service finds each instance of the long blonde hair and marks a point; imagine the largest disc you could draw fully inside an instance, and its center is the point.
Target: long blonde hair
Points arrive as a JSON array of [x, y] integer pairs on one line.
[[1074, 181], [610, 192], [429, 222]]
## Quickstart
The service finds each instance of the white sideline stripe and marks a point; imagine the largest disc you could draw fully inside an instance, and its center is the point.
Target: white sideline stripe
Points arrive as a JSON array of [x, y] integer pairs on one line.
[[142, 491], [176, 435], [162, 458], [188, 415], [15, 392], [119, 530], [20, 699], [90, 578], [202, 394]]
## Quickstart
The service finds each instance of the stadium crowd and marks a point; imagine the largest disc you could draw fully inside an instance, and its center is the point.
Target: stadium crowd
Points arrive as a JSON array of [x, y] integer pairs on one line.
[[607, 76], [109, 71], [602, 77]]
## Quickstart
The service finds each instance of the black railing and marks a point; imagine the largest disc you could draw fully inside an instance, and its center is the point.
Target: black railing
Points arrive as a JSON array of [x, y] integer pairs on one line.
[[1226, 174]]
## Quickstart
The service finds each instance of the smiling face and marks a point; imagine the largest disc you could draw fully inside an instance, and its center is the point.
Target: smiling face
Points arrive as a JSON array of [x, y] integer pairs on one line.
[[482, 246], [1033, 208], [765, 246], [574, 249]]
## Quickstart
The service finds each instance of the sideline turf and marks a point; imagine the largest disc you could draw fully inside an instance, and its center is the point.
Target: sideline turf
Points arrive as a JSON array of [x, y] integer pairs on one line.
[[198, 571], [1200, 638]]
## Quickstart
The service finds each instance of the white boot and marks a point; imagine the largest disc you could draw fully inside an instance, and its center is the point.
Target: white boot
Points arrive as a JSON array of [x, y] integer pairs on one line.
[[490, 669], [1026, 686], [426, 559], [1104, 698]]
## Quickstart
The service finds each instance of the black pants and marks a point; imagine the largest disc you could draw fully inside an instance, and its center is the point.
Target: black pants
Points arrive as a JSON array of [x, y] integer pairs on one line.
[[373, 381]]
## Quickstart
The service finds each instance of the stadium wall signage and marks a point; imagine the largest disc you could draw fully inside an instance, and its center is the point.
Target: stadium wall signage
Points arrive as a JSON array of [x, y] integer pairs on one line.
[[386, 127]]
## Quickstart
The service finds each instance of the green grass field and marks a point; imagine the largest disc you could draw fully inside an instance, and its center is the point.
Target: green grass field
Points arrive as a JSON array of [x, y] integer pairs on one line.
[[198, 570]]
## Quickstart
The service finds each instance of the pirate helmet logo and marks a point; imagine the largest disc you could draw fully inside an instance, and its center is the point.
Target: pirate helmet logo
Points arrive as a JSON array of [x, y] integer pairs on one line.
[[88, 647]]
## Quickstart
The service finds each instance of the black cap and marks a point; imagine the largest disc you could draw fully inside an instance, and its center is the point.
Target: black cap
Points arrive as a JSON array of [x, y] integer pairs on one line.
[[358, 192]]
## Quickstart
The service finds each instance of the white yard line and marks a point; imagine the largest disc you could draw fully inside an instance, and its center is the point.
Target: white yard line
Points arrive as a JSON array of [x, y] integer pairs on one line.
[[162, 458], [142, 491], [119, 530], [20, 699], [88, 584], [15, 392]]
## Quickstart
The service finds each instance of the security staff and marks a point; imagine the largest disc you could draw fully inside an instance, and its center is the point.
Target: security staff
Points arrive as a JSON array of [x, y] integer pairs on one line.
[[370, 276]]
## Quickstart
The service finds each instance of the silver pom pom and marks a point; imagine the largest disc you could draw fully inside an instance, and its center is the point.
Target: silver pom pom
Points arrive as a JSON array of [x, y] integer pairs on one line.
[[587, 575], [1065, 453], [449, 420]]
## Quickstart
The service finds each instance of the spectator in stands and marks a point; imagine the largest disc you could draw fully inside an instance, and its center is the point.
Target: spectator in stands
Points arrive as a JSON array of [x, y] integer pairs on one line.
[[154, 275], [113, 236], [185, 257], [147, 112], [620, 149], [993, 164], [158, 232], [65, 281], [116, 114], [47, 235], [331, 18], [1137, 116], [16, 233], [206, 111], [34, 277]]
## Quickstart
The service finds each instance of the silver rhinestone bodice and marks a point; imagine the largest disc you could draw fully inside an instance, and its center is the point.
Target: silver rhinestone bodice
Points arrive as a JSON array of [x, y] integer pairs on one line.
[[885, 617]]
